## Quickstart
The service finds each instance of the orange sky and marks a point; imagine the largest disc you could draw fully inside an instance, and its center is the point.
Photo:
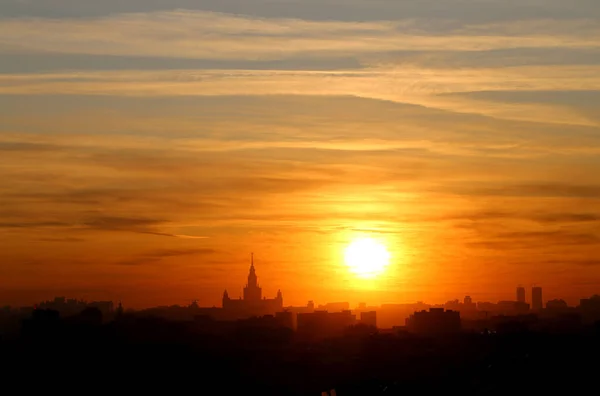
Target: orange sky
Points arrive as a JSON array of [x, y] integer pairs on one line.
[[141, 161]]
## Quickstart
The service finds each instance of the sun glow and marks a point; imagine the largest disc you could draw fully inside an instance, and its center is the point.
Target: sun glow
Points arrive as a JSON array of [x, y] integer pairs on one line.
[[366, 257]]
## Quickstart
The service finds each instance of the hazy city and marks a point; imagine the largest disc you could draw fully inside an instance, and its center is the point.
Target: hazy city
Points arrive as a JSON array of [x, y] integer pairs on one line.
[[299, 197], [529, 311], [330, 349]]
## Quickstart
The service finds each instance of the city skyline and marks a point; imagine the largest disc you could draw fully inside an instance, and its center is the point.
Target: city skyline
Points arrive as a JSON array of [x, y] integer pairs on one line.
[[251, 302], [296, 300], [300, 197]]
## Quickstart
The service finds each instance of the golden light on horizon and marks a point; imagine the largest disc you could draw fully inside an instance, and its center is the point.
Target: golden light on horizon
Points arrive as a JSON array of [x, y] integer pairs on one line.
[[366, 257]]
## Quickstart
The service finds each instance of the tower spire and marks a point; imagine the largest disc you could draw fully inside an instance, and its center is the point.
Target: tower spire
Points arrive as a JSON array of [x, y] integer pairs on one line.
[[252, 273]]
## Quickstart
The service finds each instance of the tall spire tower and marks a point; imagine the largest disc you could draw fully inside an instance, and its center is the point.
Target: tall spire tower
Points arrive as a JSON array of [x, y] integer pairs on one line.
[[252, 279], [252, 291]]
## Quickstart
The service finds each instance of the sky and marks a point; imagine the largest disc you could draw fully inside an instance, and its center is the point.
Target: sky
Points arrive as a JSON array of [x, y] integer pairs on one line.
[[148, 147]]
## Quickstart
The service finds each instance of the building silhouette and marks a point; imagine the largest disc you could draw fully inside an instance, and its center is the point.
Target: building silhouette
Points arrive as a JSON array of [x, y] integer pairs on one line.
[[253, 303], [369, 318], [521, 294], [335, 307], [323, 324], [70, 306], [557, 304], [512, 308], [436, 321], [286, 319], [536, 298], [590, 308]]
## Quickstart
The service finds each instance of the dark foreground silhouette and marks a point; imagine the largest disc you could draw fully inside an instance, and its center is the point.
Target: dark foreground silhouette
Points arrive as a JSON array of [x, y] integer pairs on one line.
[[87, 354]]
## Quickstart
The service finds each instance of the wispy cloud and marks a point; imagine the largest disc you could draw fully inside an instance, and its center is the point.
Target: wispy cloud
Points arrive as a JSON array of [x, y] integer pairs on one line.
[[158, 255], [71, 240], [45, 224], [135, 225], [473, 11], [190, 34], [537, 239], [540, 190], [118, 224], [384, 82], [215, 35], [400, 84]]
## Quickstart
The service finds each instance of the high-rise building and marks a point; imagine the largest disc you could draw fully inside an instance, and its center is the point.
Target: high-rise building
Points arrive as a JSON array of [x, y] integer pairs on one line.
[[252, 291], [521, 294], [253, 303], [536, 298]]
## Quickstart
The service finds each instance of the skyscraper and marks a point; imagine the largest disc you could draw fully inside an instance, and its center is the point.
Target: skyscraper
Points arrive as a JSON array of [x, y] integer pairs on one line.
[[253, 303], [536, 298], [521, 294], [252, 291]]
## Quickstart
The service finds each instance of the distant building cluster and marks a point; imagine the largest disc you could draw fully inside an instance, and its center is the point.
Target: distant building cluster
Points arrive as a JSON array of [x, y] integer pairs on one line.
[[434, 321], [325, 323], [68, 307], [259, 312]]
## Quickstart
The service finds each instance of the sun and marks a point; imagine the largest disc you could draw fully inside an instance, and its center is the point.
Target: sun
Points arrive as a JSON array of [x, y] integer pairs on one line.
[[366, 257]]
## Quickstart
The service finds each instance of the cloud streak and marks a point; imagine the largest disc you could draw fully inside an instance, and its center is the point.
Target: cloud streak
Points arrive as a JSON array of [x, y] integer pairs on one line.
[[377, 45], [159, 255], [135, 225], [211, 35], [319, 10], [402, 84]]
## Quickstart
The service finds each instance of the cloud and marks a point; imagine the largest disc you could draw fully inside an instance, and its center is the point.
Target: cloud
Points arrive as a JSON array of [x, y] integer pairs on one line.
[[138, 261], [399, 84], [517, 240], [348, 10], [553, 189], [158, 255], [200, 34], [56, 62], [43, 224], [307, 166], [73, 240], [104, 223], [119, 224], [179, 252], [181, 134], [28, 147], [379, 47], [583, 263], [384, 82], [110, 223], [135, 225], [540, 217], [189, 236], [568, 217], [552, 235]]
